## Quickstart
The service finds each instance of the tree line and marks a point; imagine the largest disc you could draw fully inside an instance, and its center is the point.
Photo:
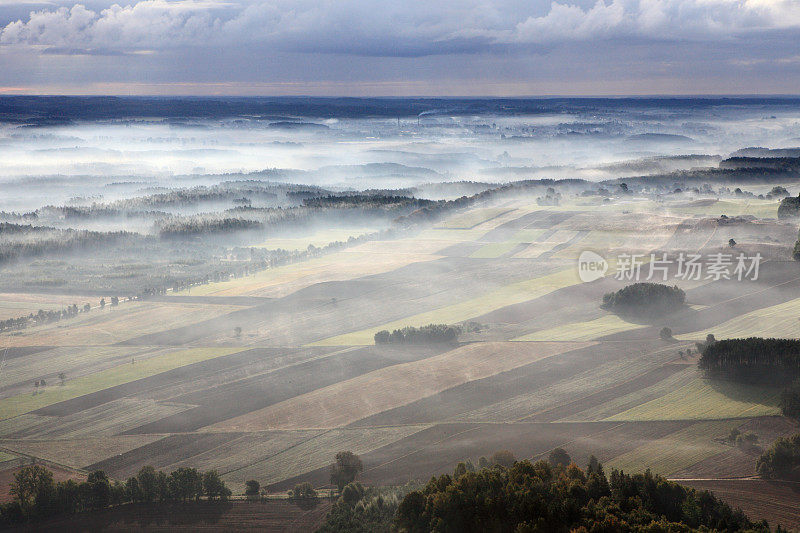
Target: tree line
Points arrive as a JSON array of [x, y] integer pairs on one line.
[[46, 317], [36, 495], [432, 333], [753, 358]]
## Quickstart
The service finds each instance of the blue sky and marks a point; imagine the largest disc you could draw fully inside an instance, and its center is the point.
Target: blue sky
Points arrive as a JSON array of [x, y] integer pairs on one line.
[[414, 47]]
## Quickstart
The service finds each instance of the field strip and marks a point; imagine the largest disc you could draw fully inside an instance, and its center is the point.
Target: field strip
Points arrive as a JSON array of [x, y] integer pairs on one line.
[[538, 247], [375, 257], [74, 361], [702, 399], [627, 401], [317, 452], [394, 386], [497, 249], [118, 375], [109, 326], [582, 331], [510, 294], [677, 450], [528, 405], [81, 452], [473, 217], [780, 321]]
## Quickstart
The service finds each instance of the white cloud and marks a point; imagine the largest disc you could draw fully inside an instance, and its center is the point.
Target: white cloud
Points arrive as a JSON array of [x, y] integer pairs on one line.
[[380, 27]]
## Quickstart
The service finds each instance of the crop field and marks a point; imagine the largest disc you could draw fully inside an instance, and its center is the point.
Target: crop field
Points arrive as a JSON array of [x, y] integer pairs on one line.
[[677, 450], [777, 502], [583, 331], [473, 217], [707, 399], [27, 402], [780, 321], [508, 295], [168, 382], [394, 386], [113, 325], [78, 453]]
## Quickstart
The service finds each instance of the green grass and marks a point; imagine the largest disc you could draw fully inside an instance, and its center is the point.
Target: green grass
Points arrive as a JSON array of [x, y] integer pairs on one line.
[[582, 331], [118, 375], [452, 314], [677, 450], [702, 399]]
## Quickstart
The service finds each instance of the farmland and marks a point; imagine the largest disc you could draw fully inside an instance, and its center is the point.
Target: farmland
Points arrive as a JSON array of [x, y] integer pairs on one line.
[[267, 375]]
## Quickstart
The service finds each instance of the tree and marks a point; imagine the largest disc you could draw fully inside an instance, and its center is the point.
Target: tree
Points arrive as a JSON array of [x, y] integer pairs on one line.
[[665, 333], [99, 489], [252, 488], [352, 493], [185, 484], [28, 482], [87, 308], [345, 469], [237, 332], [559, 456], [114, 301], [382, 337], [304, 491], [214, 487], [63, 377], [790, 400], [504, 458], [132, 491], [102, 303], [148, 483]]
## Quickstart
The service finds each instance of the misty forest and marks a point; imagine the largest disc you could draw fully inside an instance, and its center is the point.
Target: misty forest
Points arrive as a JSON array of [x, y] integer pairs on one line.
[[338, 314]]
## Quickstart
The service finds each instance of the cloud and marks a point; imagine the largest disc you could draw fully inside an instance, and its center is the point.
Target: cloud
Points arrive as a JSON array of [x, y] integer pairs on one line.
[[388, 28]]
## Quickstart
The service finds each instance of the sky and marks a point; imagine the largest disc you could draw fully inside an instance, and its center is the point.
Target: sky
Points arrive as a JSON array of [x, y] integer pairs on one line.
[[400, 47]]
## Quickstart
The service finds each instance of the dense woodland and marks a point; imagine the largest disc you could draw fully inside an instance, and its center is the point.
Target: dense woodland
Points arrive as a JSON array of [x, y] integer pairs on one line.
[[645, 298], [752, 359], [546, 496]]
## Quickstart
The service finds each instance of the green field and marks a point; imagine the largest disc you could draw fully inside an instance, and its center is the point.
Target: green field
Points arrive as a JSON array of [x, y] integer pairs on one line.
[[582, 331], [706, 399], [124, 373]]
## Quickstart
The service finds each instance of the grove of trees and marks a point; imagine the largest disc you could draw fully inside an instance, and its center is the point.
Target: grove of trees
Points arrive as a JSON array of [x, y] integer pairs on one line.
[[752, 359], [645, 298], [781, 460], [431, 333]]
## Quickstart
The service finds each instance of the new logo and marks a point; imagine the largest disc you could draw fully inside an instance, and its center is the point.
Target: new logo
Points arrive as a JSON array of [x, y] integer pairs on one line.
[[591, 266]]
